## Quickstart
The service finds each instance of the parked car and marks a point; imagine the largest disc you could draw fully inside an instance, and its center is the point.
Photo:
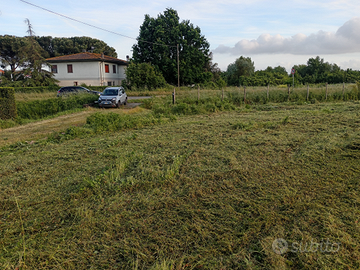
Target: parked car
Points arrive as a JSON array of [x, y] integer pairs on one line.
[[75, 90], [112, 97]]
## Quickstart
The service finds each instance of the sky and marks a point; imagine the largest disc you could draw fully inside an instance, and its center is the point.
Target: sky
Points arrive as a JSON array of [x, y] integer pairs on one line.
[[271, 33]]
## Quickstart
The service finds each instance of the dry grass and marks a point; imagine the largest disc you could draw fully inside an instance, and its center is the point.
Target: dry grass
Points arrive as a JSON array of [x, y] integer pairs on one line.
[[34, 96]]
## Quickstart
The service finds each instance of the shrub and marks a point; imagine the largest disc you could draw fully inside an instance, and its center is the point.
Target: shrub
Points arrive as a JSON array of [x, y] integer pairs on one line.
[[38, 109], [143, 76], [7, 103]]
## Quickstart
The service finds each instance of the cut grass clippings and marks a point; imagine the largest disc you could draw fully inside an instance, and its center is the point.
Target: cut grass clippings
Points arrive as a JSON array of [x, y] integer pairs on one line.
[[210, 191]]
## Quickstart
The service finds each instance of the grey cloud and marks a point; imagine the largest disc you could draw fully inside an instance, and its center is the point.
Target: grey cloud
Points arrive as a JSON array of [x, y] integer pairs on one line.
[[345, 40], [350, 30]]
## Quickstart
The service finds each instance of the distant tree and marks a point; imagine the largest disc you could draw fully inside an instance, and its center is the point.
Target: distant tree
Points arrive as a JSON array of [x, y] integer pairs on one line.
[[352, 75], [216, 79], [157, 43], [242, 67], [26, 60], [270, 76], [12, 53], [33, 71], [279, 70], [317, 70], [64, 46]]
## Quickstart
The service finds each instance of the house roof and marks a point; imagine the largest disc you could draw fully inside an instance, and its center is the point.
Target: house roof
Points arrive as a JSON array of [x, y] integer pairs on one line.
[[86, 57], [2, 72]]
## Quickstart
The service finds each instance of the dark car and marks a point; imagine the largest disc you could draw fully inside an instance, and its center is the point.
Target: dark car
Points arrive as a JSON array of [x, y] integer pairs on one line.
[[75, 90]]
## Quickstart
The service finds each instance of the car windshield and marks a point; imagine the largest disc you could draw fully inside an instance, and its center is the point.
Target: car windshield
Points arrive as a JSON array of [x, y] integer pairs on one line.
[[110, 92]]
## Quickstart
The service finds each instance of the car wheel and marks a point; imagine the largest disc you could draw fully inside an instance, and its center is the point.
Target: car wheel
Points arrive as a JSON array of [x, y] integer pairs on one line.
[[125, 101], [118, 104]]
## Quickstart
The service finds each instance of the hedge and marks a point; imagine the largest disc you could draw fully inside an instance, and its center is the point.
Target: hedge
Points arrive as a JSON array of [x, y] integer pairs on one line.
[[37, 89], [7, 103]]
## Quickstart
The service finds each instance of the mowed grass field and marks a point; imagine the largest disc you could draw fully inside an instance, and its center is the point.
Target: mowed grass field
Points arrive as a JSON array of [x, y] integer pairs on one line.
[[272, 186]]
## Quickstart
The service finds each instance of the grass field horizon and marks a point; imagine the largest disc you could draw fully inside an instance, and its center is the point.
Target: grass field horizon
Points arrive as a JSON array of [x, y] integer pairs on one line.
[[216, 190]]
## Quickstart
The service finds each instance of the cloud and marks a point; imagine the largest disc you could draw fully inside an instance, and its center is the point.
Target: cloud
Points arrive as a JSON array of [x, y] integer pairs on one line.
[[345, 40]]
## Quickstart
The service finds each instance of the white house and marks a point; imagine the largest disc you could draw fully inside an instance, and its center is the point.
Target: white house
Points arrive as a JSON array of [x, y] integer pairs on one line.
[[89, 68]]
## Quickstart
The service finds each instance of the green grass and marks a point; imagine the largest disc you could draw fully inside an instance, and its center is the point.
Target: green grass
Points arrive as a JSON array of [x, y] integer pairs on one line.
[[207, 191]]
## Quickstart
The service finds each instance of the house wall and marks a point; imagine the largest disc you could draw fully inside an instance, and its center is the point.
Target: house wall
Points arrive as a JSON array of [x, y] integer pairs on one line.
[[90, 73]]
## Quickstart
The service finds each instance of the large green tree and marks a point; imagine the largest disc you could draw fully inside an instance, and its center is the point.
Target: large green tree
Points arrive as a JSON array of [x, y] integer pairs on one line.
[[157, 44]]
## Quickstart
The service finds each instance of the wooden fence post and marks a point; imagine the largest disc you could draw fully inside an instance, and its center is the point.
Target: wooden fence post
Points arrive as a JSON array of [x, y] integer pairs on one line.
[[326, 94], [244, 94], [307, 94], [173, 96], [288, 92]]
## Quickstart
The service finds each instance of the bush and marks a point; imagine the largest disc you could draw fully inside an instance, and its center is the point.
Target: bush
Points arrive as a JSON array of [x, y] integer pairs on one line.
[[38, 109], [143, 76], [7, 103]]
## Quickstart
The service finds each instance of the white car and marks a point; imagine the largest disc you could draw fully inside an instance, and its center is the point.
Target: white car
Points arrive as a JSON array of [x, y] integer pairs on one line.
[[112, 97]]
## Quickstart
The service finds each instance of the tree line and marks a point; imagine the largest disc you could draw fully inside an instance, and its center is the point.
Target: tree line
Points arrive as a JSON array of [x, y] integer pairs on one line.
[[315, 71]]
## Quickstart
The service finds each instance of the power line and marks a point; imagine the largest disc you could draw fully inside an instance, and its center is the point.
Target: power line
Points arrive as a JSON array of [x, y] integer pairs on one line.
[[94, 26]]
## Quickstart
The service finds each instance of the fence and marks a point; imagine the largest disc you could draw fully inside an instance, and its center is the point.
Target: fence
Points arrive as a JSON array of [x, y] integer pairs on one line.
[[249, 94]]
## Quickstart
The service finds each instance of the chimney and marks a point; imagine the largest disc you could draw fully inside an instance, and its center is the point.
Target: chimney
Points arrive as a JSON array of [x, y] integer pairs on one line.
[[127, 58]]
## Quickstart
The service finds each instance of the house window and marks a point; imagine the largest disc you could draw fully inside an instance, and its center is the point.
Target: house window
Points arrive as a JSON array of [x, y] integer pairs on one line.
[[109, 83], [107, 69], [70, 68], [75, 83], [114, 68], [54, 69]]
